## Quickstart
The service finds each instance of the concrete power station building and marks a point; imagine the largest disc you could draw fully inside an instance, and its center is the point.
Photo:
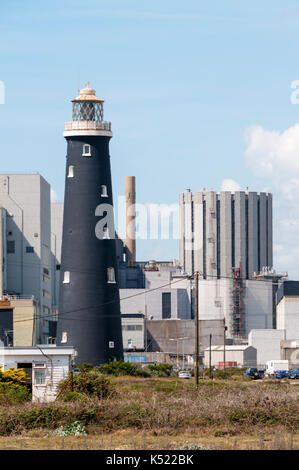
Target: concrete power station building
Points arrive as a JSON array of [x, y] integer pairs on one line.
[[222, 232], [227, 238], [89, 309], [25, 260]]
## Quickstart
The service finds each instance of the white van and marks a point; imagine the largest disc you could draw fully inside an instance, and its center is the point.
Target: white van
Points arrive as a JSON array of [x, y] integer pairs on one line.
[[274, 366]]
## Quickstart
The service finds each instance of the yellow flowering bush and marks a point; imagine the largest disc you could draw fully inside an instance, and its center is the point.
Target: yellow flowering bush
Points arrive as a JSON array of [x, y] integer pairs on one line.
[[13, 376], [13, 387]]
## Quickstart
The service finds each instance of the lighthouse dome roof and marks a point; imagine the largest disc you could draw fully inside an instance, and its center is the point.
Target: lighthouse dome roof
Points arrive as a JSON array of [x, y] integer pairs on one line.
[[88, 94]]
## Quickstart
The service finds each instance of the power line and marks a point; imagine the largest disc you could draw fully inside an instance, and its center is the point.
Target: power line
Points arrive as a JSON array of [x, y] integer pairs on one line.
[[144, 292], [101, 305]]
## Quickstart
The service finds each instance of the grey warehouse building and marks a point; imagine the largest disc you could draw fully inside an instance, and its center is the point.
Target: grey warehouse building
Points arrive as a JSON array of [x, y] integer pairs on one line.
[[25, 264], [220, 231]]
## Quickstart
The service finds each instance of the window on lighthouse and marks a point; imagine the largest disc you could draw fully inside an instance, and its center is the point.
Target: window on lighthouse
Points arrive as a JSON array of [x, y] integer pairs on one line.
[[104, 192], [111, 275], [86, 151], [66, 277], [71, 172], [106, 233]]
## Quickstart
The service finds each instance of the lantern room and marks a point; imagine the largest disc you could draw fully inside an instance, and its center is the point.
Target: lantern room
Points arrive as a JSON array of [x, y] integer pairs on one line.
[[87, 106]]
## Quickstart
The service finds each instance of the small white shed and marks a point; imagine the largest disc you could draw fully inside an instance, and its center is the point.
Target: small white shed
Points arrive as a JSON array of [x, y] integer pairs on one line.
[[45, 366], [243, 355]]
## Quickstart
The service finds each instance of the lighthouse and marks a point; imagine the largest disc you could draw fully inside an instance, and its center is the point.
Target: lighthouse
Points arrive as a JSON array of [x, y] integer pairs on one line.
[[89, 309]]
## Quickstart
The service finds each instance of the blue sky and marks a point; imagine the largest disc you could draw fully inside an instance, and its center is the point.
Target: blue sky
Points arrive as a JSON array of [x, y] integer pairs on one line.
[[185, 84]]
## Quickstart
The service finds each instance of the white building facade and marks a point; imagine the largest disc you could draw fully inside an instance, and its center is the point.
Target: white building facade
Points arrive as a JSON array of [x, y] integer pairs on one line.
[[267, 343], [45, 366], [288, 309], [216, 301], [133, 332]]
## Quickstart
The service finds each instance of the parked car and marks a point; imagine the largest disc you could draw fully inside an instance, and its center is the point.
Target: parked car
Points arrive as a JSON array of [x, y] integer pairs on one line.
[[184, 374], [254, 373], [251, 372], [293, 374], [281, 374]]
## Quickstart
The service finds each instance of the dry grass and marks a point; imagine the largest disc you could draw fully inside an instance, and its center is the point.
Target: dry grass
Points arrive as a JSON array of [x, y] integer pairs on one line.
[[165, 414], [130, 439]]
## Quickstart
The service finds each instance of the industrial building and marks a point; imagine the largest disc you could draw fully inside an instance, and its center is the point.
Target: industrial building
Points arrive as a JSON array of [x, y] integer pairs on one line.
[[156, 297], [217, 299], [171, 341], [240, 355], [267, 343], [134, 332], [25, 271], [226, 231], [288, 309], [290, 351], [178, 336], [150, 292], [165, 297], [163, 290], [283, 341], [169, 294], [227, 238]]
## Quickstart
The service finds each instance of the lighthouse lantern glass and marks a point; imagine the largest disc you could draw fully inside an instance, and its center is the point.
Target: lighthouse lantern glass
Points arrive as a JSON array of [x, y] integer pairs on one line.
[[87, 111]]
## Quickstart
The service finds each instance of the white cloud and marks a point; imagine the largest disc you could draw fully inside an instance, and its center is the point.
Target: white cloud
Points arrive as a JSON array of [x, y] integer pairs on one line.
[[230, 185], [274, 156], [271, 152]]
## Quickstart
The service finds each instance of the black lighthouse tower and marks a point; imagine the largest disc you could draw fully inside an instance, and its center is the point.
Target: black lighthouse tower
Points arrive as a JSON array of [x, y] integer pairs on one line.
[[89, 309]]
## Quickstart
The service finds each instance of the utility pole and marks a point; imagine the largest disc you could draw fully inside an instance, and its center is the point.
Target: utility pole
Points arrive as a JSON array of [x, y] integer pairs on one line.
[[224, 339], [196, 328], [210, 356]]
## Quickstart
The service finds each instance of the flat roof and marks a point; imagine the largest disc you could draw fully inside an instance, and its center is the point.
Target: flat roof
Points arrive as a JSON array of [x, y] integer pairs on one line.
[[234, 347], [35, 351], [287, 289]]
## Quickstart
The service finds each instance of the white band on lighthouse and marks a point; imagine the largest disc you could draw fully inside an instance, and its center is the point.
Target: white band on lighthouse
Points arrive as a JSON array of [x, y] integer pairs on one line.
[[91, 128]]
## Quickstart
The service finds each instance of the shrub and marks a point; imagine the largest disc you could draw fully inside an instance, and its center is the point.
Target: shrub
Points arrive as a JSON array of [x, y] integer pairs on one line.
[[10, 394], [87, 383], [74, 429], [19, 418], [118, 368], [228, 373], [73, 396], [13, 376], [13, 388], [220, 433], [84, 367], [161, 370]]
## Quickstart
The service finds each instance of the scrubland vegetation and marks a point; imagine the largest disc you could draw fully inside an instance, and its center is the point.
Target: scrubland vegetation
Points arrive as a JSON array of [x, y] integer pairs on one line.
[[105, 401]]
